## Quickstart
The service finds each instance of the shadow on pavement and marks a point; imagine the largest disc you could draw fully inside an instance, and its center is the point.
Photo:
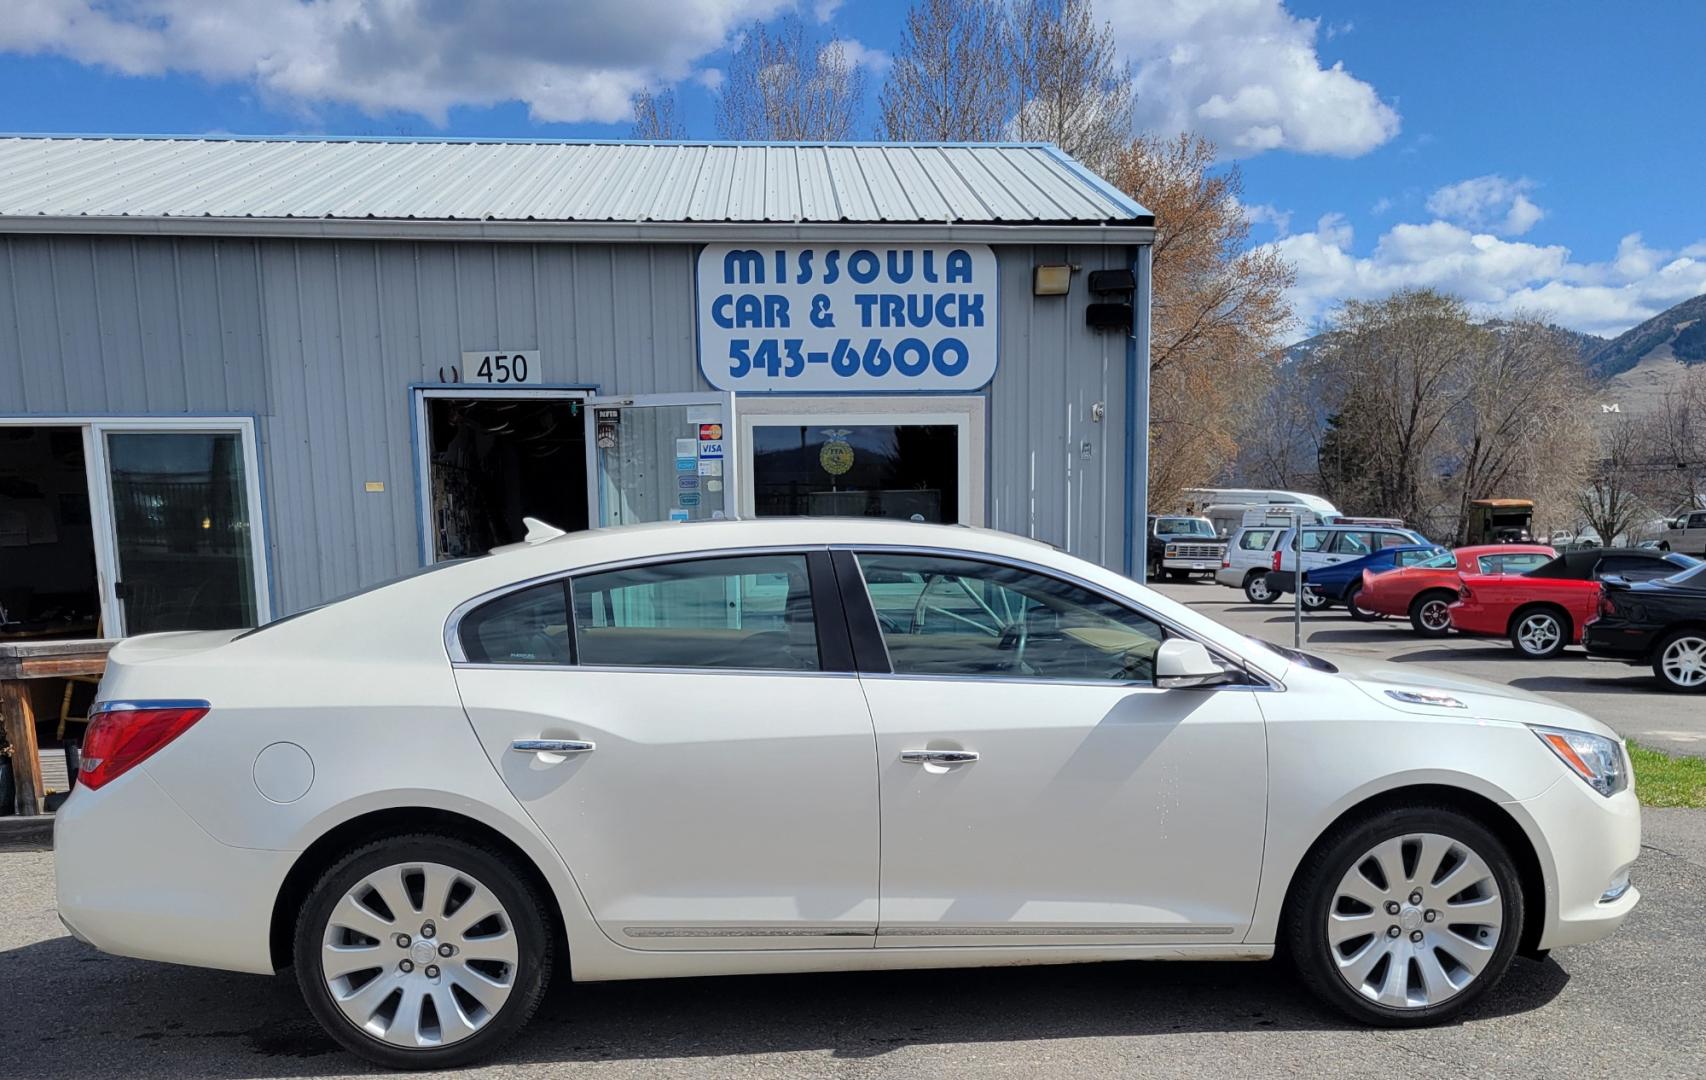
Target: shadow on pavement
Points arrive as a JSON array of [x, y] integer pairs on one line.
[[1595, 684], [94, 1014]]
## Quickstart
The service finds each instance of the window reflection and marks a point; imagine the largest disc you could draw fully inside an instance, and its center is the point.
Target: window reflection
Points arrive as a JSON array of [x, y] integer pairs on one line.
[[908, 471]]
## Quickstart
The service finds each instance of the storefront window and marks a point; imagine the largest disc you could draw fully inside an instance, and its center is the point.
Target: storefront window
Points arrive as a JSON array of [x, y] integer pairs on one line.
[[907, 471]]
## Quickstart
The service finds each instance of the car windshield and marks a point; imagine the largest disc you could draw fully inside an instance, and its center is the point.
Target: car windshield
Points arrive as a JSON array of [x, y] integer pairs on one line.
[[1183, 526], [1444, 560]]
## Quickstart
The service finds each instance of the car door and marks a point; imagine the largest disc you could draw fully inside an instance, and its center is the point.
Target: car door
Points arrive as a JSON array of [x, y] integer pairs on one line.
[[694, 743], [1348, 544], [1036, 788]]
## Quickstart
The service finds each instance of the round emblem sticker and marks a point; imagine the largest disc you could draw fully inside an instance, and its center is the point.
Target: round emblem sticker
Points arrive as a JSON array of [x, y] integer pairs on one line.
[[836, 457]]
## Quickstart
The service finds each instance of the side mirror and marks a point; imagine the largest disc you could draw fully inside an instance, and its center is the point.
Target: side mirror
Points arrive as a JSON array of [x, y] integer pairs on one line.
[[1181, 664]]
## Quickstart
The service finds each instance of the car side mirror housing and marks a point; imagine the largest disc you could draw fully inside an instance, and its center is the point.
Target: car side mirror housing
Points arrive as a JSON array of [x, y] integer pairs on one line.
[[1182, 664]]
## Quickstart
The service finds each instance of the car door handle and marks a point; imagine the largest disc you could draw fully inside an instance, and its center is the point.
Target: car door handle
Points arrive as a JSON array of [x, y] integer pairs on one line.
[[552, 746], [939, 757]]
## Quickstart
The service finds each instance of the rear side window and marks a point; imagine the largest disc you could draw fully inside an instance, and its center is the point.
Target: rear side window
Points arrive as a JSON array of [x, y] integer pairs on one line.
[[1632, 567], [1391, 540], [1520, 563], [1256, 539], [1697, 520], [1315, 539], [1353, 543], [751, 612], [528, 626]]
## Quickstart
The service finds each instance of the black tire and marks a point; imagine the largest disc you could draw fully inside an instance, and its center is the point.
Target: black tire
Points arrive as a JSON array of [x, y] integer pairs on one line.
[[1421, 617], [1304, 926], [1256, 588], [507, 882], [1658, 661], [1152, 572], [1351, 594], [1314, 602], [1530, 637]]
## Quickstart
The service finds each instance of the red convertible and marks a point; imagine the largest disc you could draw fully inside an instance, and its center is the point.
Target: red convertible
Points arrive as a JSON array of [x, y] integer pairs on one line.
[[1544, 610], [1426, 591]]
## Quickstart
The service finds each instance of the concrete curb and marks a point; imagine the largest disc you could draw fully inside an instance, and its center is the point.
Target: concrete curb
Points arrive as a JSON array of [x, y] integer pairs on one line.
[[26, 833]]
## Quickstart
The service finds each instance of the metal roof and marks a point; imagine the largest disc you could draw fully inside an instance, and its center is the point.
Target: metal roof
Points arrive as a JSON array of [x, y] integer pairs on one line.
[[173, 184]]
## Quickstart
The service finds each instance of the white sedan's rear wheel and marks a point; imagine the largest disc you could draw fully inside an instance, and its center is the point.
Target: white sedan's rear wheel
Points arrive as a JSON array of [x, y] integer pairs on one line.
[[1408, 918], [422, 952]]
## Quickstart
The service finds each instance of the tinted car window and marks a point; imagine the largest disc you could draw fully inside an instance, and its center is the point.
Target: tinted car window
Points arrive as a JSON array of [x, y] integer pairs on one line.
[[1445, 560], [1424, 558], [1520, 563], [1388, 540], [748, 612], [1631, 567], [1697, 520], [529, 626], [1353, 543], [946, 616], [1256, 539]]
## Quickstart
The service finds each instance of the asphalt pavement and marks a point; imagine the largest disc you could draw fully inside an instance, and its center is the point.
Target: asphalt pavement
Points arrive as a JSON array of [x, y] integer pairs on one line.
[[1627, 698], [1627, 1006]]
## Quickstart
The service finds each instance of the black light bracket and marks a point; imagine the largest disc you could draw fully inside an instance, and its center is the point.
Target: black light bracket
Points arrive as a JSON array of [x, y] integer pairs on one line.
[[1108, 282]]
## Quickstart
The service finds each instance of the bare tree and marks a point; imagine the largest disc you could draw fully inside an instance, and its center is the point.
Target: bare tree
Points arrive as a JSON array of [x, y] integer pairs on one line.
[[654, 116], [1677, 445], [1218, 309], [1609, 501], [950, 79], [1517, 421], [1071, 88], [784, 84]]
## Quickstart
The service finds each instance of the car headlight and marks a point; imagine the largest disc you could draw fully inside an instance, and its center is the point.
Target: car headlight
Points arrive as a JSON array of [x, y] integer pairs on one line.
[[1595, 758], [1171, 551]]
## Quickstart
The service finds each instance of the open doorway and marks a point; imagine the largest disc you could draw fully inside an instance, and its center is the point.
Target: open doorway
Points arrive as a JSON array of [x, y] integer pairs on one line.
[[48, 583], [492, 460]]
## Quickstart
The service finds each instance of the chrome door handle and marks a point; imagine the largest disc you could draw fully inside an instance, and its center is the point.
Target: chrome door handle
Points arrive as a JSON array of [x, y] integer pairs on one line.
[[939, 757], [553, 746]]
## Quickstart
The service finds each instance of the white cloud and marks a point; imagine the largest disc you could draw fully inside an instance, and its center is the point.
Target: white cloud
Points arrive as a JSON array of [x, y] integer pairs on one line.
[[1495, 275], [568, 62], [861, 55], [1489, 202], [1381, 205], [1246, 74], [1267, 214], [824, 10]]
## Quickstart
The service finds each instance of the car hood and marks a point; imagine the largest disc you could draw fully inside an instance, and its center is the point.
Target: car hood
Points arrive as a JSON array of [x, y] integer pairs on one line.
[[1481, 700]]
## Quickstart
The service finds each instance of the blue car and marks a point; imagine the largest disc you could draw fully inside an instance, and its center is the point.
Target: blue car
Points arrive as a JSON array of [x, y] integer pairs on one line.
[[1326, 585]]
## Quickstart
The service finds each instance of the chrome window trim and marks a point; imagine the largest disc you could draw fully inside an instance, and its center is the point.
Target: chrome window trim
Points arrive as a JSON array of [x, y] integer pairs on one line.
[[617, 669], [1059, 575], [453, 624], [453, 643]]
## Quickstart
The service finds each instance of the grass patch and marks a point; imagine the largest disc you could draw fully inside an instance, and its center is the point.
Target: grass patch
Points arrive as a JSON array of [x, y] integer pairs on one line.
[[1663, 779]]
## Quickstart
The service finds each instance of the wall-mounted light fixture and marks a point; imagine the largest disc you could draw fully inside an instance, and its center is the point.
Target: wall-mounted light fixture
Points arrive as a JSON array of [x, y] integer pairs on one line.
[[1052, 280], [1114, 289]]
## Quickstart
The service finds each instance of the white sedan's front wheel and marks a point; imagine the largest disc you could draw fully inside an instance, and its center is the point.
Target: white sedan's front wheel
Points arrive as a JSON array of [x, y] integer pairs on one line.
[[422, 952], [1407, 918]]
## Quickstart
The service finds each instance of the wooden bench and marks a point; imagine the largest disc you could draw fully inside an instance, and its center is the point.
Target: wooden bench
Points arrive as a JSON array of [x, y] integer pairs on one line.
[[20, 662]]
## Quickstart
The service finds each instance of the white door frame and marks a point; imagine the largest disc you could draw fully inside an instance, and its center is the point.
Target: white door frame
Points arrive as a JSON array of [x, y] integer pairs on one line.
[[421, 421], [965, 412], [98, 479], [723, 399]]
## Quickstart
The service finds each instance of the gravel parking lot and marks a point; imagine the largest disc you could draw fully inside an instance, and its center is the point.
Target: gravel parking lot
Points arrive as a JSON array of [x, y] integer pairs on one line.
[[1627, 1006]]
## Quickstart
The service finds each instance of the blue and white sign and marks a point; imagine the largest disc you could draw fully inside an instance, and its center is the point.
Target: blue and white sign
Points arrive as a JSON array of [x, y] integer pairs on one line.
[[854, 319]]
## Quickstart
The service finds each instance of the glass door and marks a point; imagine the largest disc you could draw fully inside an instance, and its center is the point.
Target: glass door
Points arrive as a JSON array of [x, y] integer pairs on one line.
[[182, 541], [660, 457]]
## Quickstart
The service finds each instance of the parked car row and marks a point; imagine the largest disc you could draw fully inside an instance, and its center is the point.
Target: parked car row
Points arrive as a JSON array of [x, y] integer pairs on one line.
[[1643, 605]]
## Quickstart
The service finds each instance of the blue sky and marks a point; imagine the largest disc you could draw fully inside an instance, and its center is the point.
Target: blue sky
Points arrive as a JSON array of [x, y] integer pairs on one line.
[[1535, 157]]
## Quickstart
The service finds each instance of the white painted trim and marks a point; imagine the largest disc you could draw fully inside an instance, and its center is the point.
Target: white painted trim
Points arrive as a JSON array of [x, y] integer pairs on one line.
[[967, 413]]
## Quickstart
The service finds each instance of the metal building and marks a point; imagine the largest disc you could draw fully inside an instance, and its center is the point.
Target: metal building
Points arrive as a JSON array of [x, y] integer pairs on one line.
[[239, 377]]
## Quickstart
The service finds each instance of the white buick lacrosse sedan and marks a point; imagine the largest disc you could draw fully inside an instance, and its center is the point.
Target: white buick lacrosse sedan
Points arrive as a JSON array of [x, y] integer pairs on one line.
[[814, 745]]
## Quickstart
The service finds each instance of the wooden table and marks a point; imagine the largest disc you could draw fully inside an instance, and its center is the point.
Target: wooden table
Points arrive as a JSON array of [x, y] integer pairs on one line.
[[21, 661]]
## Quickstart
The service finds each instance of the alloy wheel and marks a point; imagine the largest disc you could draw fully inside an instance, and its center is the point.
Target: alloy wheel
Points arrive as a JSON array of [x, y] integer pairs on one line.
[[1415, 921], [419, 955], [1539, 634], [1258, 589], [1684, 661], [1436, 616]]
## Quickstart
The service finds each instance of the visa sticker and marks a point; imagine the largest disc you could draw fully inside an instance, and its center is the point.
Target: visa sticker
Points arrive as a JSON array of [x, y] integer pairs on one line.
[[711, 449]]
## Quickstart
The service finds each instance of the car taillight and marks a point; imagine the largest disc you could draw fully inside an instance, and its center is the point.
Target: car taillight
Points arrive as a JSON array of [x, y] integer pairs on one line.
[[1226, 562], [1276, 560], [123, 736], [1606, 607]]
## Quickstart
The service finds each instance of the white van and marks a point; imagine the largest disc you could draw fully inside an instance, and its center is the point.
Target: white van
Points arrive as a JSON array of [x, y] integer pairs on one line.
[[1227, 508]]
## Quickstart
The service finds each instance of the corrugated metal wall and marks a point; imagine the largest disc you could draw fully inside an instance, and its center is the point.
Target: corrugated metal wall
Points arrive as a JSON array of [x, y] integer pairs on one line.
[[321, 341]]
